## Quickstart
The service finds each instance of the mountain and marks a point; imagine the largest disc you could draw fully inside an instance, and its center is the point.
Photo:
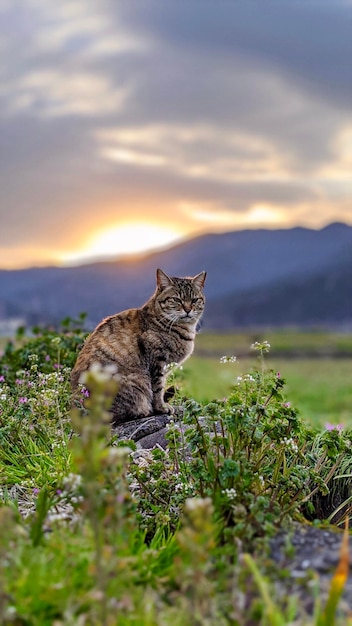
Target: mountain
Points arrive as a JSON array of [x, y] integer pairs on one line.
[[255, 277]]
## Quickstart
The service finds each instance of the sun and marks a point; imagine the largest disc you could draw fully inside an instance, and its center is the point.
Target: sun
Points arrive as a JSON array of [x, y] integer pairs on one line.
[[126, 239]]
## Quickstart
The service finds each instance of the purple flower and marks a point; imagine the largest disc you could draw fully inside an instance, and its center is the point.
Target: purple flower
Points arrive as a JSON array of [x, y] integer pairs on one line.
[[47, 357], [23, 400], [2, 379], [19, 381], [35, 490], [85, 392], [329, 426], [287, 405]]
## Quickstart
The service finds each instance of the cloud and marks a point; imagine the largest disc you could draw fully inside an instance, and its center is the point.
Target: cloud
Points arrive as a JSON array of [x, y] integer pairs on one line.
[[309, 43], [215, 115]]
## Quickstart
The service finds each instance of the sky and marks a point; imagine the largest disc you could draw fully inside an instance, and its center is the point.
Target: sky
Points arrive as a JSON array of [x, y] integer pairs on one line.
[[131, 123]]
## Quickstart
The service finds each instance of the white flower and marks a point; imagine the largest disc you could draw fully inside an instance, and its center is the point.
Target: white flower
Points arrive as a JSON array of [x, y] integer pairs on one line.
[[228, 359], [100, 372], [289, 443], [245, 378], [261, 346], [230, 493], [72, 481]]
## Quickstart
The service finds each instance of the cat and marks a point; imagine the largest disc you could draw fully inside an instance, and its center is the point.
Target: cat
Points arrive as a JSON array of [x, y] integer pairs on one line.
[[142, 342]]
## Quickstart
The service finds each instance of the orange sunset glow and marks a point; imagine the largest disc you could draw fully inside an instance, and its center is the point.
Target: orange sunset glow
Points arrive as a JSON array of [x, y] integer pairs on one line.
[[125, 239], [125, 130]]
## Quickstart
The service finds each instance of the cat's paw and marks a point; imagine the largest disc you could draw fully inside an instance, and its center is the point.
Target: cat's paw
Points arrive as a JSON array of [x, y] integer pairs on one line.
[[164, 409]]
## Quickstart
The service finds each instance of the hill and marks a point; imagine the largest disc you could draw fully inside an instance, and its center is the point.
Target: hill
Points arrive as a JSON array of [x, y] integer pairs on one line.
[[255, 277]]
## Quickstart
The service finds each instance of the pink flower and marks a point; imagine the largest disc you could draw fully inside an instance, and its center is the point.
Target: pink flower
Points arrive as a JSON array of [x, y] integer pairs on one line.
[[23, 400], [2, 379], [329, 426]]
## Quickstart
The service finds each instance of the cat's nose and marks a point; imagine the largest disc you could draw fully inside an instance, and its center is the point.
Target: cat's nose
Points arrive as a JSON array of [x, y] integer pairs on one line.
[[187, 307]]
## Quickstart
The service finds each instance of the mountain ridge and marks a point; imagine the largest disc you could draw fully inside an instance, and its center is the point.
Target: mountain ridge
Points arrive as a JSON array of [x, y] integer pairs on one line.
[[255, 268]]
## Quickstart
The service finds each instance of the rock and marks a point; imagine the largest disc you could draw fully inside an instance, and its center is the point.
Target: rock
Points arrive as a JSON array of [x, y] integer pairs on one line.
[[146, 432], [309, 553], [155, 439]]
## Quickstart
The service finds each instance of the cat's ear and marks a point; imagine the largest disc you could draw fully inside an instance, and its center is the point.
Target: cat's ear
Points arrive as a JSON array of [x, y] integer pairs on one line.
[[199, 280], [162, 279]]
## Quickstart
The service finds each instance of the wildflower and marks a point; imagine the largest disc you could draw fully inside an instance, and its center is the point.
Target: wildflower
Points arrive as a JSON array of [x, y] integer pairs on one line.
[[261, 346], [56, 341], [23, 400], [246, 378], [2, 379], [171, 366], [35, 490], [329, 426], [84, 391], [286, 405], [47, 357], [228, 359], [230, 493], [72, 481], [100, 373], [289, 443]]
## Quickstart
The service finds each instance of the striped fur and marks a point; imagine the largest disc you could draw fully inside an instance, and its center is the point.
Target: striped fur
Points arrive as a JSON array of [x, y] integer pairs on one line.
[[141, 342]]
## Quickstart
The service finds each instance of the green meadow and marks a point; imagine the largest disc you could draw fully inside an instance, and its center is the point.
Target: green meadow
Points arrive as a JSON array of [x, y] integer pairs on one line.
[[316, 367], [320, 388]]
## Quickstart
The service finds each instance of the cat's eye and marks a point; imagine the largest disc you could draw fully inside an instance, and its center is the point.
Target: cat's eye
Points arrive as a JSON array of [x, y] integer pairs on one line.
[[175, 300], [196, 300]]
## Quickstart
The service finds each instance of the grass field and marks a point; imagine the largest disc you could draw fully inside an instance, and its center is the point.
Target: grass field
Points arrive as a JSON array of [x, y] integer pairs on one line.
[[284, 342], [316, 365], [320, 388]]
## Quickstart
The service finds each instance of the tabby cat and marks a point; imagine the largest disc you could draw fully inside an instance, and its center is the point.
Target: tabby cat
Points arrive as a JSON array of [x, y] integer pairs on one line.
[[141, 342]]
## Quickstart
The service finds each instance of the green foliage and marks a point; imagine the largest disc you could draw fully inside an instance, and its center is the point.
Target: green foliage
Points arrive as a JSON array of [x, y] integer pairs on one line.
[[95, 533], [320, 388], [51, 348], [250, 453]]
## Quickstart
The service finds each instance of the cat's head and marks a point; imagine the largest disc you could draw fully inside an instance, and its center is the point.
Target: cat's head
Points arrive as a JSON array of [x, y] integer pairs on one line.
[[180, 299]]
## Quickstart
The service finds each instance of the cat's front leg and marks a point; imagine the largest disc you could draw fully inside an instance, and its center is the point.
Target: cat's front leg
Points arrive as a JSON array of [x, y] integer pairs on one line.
[[158, 388]]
